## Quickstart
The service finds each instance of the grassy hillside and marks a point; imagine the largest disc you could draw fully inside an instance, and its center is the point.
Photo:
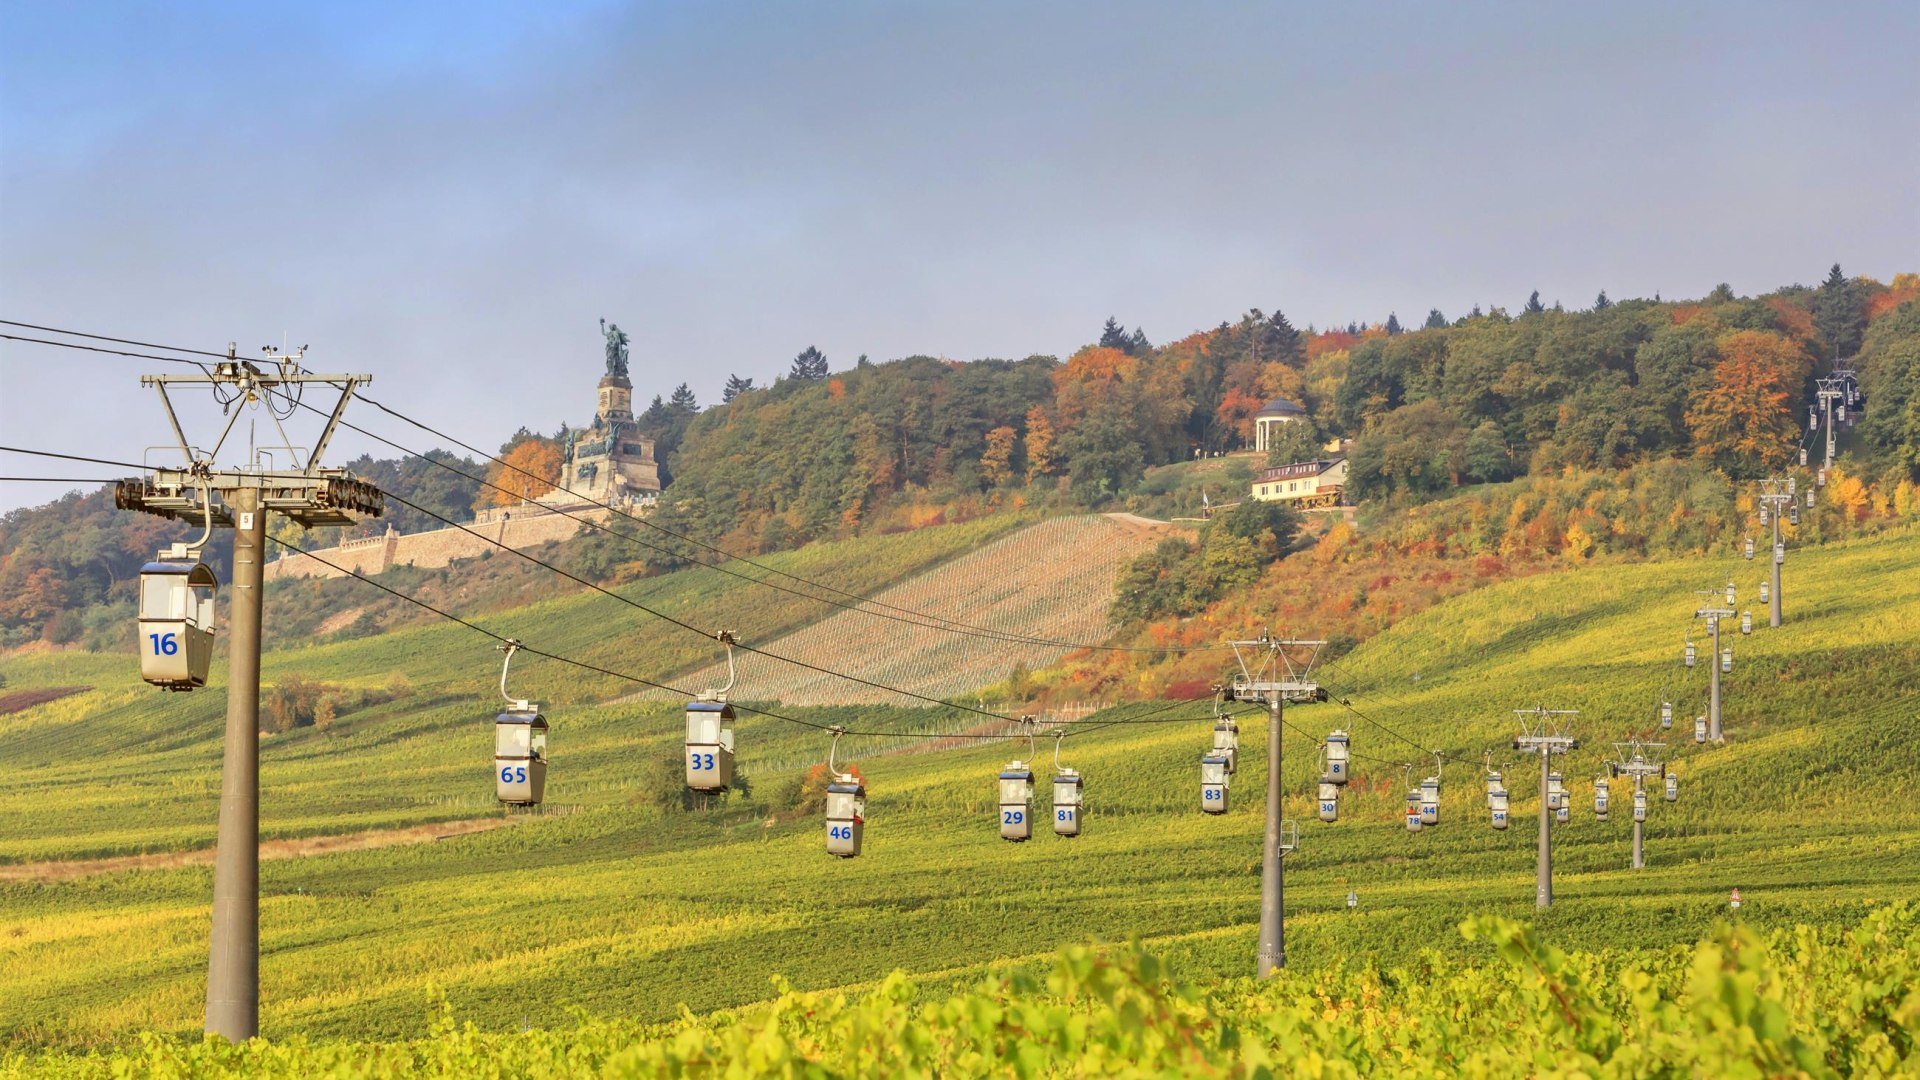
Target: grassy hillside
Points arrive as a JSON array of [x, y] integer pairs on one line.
[[139, 770], [1810, 809], [1052, 581]]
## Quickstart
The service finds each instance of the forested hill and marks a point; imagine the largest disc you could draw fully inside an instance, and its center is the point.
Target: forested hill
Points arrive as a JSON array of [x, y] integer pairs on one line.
[[1487, 396]]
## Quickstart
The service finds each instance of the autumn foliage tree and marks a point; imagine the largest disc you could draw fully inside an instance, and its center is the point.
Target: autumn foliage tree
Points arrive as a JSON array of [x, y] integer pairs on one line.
[[528, 470], [996, 461], [1039, 444], [1745, 421]]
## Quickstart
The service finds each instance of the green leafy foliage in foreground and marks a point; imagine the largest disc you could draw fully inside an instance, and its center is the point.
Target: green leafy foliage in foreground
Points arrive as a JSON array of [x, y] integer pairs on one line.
[[1799, 1002]]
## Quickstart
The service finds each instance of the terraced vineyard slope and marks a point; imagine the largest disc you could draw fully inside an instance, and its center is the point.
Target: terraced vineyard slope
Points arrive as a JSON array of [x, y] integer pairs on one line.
[[1053, 580]]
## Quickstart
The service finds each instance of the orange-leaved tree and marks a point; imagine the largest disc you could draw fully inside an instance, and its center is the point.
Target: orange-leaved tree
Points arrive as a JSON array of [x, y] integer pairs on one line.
[[1746, 421], [527, 471]]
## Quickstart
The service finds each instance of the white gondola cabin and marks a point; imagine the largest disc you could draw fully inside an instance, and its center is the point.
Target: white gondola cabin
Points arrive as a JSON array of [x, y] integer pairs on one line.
[[1226, 742], [520, 756], [1430, 801], [1601, 795], [1413, 810], [1339, 758], [709, 749], [1689, 654], [1556, 791], [1726, 659], [1746, 622], [1066, 803], [176, 623], [1329, 801], [1497, 805], [1666, 714], [1699, 729], [1016, 802], [1495, 782], [1749, 549], [1213, 784], [846, 815], [1673, 788], [1765, 593], [1639, 805]]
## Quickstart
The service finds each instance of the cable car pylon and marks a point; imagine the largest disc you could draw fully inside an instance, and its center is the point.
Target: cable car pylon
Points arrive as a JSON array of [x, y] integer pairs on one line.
[[1272, 673]]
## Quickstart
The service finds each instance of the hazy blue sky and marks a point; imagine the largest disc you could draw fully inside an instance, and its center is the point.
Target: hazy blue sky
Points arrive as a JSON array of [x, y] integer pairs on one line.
[[450, 195]]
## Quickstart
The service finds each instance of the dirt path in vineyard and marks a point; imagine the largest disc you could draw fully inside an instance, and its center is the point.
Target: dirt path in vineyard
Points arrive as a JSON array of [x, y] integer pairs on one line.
[[269, 849]]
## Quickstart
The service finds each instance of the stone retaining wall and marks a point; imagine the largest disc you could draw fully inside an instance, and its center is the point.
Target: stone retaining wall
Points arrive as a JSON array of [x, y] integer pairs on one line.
[[373, 554]]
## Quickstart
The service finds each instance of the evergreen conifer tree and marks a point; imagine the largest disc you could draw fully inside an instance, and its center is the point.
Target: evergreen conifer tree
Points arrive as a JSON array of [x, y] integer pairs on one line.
[[1534, 306], [683, 401], [1601, 303], [734, 388], [1435, 320], [1113, 335], [1838, 314], [1393, 323], [810, 364]]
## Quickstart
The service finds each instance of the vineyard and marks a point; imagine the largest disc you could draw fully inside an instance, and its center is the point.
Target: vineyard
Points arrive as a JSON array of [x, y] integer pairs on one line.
[[1810, 1001], [610, 902], [1052, 581]]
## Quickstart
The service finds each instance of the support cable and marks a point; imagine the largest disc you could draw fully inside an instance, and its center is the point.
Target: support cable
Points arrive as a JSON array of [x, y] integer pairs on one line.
[[941, 622]]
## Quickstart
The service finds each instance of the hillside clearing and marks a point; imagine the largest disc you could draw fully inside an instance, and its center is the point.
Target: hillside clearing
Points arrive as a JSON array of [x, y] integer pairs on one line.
[[1053, 580]]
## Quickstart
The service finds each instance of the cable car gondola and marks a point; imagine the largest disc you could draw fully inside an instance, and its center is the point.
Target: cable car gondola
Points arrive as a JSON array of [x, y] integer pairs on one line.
[[176, 623], [709, 746], [1338, 756], [846, 805], [1016, 794], [1213, 784], [519, 745], [1067, 795], [176, 612]]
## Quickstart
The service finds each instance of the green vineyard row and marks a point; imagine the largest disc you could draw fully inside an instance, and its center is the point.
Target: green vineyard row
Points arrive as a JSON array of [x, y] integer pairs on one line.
[[1799, 1001]]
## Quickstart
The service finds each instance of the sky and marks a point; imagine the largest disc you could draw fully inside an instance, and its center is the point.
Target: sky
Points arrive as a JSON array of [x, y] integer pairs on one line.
[[449, 196]]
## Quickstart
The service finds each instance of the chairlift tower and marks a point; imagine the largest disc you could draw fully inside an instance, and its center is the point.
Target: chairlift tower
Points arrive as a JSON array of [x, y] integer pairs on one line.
[[1633, 761], [1776, 494], [1829, 390], [1274, 671], [1541, 734], [1713, 613], [241, 499]]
